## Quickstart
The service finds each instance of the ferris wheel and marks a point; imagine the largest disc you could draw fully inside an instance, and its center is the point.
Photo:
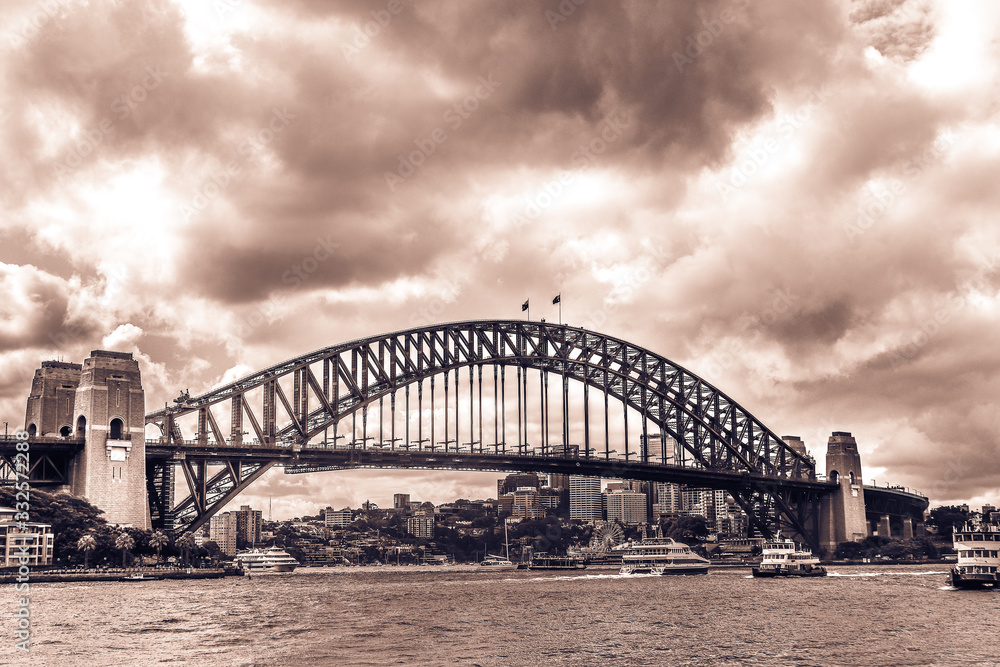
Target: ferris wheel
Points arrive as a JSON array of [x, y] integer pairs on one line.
[[606, 536]]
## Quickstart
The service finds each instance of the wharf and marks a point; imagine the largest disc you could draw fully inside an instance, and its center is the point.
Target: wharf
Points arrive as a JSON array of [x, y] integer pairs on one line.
[[114, 574]]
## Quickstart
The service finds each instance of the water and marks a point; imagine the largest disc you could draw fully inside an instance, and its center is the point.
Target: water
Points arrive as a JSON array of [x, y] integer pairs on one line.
[[432, 616]]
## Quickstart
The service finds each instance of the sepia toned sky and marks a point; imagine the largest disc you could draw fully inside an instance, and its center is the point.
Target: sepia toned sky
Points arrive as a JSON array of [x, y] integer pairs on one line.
[[797, 201]]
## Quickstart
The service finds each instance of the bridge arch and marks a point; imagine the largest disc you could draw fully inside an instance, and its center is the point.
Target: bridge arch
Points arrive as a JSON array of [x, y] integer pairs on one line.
[[712, 430]]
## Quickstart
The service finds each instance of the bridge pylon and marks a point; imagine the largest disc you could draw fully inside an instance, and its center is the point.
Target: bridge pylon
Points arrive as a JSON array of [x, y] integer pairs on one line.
[[843, 511], [110, 408]]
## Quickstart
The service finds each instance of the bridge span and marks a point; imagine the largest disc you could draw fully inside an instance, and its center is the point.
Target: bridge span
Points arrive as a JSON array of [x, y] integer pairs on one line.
[[622, 411]]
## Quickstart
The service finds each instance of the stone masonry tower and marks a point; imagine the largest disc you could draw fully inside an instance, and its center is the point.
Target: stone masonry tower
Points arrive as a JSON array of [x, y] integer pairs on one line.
[[110, 411], [843, 511], [51, 403]]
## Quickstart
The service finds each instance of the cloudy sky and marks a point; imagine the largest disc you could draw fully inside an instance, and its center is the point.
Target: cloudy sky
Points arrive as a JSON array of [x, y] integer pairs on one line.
[[795, 200]]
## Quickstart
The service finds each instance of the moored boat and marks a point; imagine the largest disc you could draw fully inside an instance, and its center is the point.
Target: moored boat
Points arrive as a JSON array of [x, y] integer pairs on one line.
[[271, 559], [978, 547], [784, 558], [661, 555]]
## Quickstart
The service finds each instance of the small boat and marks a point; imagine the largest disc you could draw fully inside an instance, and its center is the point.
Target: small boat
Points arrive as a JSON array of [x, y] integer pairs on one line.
[[784, 558], [978, 547], [272, 559], [661, 555], [492, 562], [141, 576], [548, 562]]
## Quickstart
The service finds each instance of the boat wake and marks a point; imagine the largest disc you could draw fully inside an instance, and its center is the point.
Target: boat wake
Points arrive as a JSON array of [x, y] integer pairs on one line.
[[883, 574]]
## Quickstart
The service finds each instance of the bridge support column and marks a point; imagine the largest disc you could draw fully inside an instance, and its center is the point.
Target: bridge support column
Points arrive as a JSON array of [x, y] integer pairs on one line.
[[110, 409], [884, 526], [842, 513], [907, 528]]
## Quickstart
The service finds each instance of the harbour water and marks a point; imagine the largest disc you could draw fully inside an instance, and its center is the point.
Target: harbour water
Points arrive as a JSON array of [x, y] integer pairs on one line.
[[864, 615]]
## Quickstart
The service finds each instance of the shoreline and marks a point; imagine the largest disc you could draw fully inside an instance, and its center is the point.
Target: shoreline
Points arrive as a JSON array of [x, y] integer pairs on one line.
[[57, 576]]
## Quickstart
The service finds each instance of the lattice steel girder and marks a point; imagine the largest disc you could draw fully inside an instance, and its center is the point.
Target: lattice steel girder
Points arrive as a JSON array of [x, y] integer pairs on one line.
[[207, 495], [713, 428]]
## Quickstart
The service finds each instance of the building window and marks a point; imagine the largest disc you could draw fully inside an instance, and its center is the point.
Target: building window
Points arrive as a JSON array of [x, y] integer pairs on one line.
[[65, 431], [32, 429], [116, 429], [81, 427]]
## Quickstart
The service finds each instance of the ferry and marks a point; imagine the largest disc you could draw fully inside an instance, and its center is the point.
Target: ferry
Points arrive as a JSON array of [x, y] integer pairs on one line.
[[661, 555], [783, 558], [978, 546], [547, 562], [271, 559]]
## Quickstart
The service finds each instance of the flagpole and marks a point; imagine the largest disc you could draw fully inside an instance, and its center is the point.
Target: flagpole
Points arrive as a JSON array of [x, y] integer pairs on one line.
[[560, 308]]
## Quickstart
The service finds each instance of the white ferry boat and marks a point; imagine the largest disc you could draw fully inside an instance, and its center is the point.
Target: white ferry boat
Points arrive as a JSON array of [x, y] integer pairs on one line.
[[271, 559], [783, 558], [661, 555], [978, 547]]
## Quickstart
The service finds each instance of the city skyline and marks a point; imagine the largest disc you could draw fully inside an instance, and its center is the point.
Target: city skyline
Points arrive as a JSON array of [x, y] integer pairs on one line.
[[796, 206]]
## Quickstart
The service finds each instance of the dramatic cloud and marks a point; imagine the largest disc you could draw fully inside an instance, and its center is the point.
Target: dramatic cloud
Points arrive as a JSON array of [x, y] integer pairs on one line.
[[796, 202]]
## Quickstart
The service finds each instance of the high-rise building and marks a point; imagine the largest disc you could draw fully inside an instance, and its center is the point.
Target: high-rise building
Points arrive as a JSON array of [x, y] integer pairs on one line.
[[585, 501], [222, 531], [401, 500], [668, 499], [628, 507], [527, 504], [513, 482], [421, 526], [248, 523]]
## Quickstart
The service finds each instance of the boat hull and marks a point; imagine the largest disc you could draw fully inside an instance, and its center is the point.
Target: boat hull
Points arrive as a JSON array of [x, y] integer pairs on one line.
[[972, 580]]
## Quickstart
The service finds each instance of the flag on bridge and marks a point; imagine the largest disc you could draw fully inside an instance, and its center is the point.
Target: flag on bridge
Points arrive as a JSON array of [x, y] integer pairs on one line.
[[524, 306], [557, 299]]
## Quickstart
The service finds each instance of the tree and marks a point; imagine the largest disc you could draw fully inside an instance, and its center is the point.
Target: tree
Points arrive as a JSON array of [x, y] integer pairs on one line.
[[125, 543], [158, 541], [86, 544], [186, 544], [850, 550], [944, 518], [686, 529]]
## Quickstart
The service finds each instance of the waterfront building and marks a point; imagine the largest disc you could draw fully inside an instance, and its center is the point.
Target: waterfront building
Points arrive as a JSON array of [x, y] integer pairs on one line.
[[222, 531], [36, 537], [421, 526], [401, 501], [585, 501], [627, 507]]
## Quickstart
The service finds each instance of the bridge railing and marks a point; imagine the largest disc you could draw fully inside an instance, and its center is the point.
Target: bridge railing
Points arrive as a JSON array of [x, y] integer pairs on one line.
[[894, 487]]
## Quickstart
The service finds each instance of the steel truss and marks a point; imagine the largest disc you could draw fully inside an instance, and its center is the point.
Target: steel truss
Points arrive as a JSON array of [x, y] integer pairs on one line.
[[714, 432]]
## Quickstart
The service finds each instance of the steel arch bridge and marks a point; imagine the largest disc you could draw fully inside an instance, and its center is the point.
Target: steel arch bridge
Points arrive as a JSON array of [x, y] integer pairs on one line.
[[716, 442]]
